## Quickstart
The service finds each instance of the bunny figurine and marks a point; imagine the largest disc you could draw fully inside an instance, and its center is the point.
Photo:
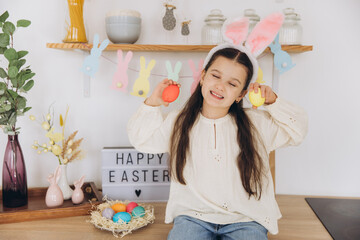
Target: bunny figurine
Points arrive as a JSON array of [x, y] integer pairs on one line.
[[196, 73], [91, 62], [78, 195], [120, 79], [142, 86], [282, 59], [54, 196]]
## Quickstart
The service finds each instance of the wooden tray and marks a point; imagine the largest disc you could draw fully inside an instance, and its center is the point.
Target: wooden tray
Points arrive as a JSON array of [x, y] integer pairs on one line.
[[36, 208]]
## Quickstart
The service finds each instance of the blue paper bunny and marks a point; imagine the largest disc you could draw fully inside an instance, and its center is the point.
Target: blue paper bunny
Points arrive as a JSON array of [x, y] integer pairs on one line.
[[91, 62], [282, 59]]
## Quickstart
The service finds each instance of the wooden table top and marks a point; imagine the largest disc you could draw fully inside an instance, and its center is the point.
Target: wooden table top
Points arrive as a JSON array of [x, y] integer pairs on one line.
[[299, 222]]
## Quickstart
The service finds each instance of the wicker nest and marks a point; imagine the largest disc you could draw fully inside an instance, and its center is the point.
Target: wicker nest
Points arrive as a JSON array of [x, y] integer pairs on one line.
[[120, 229]]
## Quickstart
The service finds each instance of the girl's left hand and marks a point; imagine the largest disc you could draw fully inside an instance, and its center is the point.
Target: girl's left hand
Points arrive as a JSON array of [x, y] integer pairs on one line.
[[266, 92]]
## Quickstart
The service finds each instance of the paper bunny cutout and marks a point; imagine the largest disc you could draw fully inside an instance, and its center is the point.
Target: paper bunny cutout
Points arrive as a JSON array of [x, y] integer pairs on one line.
[[196, 73], [91, 63], [282, 59], [142, 86], [173, 75], [54, 196], [235, 35], [78, 195], [120, 79]]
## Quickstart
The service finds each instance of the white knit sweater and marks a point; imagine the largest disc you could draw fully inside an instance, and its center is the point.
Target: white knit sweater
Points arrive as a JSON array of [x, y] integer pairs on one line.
[[214, 192]]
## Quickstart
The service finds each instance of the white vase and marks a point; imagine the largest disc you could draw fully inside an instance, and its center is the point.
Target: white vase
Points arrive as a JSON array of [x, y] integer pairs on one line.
[[63, 183]]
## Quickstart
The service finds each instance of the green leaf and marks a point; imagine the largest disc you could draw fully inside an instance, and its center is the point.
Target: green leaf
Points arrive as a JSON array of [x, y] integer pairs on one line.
[[13, 71], [2, 50], [2, 86], [28, 85], [7, 107], [27, 76], [9, 28], [3, 74], [23, 23], [2, 91], [22, 54], [13, 94], [14, 82], [20, 63], [21, 102], [2, 99], [26, 109], [4, 39], [11, 54], [4, 16], [20, 82]]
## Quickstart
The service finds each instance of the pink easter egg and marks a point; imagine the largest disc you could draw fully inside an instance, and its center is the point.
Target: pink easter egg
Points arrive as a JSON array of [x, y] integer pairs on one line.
[[131, 206]]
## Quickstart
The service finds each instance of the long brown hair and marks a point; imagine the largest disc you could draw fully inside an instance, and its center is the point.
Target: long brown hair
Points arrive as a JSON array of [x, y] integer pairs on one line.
[[248, 161]]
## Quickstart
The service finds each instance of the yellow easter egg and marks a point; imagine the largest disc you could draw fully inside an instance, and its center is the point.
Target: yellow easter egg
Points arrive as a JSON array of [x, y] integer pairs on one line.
[[256, 99]]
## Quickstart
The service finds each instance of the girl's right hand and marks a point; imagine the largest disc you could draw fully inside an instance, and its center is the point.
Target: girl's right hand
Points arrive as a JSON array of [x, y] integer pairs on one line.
[[155, 99]]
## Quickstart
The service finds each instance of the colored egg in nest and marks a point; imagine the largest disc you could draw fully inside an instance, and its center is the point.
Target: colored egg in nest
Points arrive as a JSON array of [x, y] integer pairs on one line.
[[108, 213], [122, 217], [119, 207], [131, 206], [138, 212]]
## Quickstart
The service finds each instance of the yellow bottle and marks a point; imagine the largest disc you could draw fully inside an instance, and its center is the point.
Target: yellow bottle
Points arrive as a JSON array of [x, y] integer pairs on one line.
[[76, 29]]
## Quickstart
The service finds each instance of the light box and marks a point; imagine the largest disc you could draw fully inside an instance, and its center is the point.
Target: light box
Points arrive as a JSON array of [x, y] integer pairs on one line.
[[128, 174]]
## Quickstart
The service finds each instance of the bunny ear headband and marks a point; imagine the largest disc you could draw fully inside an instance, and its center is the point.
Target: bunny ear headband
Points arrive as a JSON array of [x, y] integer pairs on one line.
[[235, 32]]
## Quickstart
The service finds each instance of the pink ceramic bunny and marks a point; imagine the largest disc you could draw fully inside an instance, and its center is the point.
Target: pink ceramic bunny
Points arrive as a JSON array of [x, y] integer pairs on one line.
[[196, 73], [54, 196], [78, 195], [120, 79]]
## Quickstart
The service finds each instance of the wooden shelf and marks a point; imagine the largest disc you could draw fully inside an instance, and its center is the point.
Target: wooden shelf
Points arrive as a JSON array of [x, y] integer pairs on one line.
[[163, 48]]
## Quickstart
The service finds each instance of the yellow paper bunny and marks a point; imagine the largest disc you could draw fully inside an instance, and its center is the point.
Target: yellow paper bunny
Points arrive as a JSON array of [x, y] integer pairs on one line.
[[142, 86]]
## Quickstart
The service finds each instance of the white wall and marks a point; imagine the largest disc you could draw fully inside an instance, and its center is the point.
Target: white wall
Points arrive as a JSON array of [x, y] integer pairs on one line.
[[324, 82]]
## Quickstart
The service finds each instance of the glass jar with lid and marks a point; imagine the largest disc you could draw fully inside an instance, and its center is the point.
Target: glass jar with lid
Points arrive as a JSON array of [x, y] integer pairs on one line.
[[211, 33], [291, 30], [253, 18]]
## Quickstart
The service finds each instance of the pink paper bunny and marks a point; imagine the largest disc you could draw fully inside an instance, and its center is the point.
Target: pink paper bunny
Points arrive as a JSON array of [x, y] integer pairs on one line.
[[196, 73], [78, 195], [120, 79], [54, 196]]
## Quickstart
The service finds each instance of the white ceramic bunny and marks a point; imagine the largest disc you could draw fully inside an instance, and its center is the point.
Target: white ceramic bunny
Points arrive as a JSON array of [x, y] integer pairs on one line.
[[54, 196], [78, 195], [196, 73], [142, 86], [120, 79], [91, 62]]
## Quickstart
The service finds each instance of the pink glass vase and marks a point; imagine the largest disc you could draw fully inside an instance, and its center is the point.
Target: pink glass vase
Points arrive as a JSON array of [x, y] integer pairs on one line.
[[14, 183]]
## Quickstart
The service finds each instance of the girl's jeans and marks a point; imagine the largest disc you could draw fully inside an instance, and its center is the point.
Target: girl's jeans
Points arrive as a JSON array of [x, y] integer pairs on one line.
[[188, 228]]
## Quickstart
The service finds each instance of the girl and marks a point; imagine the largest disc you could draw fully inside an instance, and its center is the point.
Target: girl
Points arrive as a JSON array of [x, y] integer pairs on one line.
[[221, 184]]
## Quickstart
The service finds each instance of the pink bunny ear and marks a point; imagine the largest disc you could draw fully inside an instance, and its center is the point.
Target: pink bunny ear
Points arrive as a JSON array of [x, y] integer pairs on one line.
[[192, 65], [236, 31], [82, 180], [201, 63], [128, 57], [264, 33], [120, 55]]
